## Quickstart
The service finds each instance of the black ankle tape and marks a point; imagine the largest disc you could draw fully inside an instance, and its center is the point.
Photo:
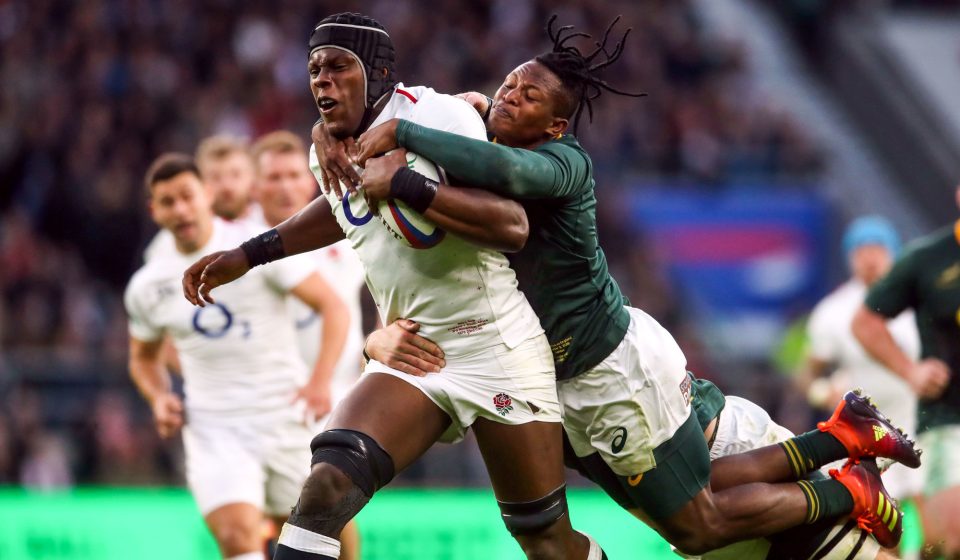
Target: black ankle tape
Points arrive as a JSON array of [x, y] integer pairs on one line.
[[413, 188], [264, 248]]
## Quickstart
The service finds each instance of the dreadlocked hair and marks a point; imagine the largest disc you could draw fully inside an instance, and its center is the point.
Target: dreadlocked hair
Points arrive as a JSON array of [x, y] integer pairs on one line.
[[577, 72]]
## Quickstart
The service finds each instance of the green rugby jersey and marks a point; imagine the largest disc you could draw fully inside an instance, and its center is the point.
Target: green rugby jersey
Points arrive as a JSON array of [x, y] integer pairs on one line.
[[927, 279], [562, 269]]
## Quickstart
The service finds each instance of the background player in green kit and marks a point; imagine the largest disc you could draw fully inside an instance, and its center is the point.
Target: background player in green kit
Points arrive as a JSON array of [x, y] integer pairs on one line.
[[621, 377], [927, 280]]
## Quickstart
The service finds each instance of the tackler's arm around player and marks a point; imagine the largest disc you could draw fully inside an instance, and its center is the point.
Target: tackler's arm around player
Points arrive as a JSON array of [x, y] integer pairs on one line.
[[477, 216], [513, 172]]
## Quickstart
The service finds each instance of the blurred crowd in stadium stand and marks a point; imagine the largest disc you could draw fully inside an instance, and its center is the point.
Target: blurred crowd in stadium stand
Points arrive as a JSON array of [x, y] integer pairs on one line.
[[93, 90]]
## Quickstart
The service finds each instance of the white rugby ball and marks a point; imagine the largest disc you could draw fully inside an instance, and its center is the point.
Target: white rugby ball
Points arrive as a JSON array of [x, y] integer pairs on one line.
[[406, 224]]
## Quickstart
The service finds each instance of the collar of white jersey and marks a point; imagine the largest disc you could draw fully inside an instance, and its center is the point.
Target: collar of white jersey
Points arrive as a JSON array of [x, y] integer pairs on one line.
[[212, 244], [396, 102]]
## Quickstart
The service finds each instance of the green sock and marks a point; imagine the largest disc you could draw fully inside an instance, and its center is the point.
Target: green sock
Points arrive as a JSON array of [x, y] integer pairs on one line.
[[825, 498], [812, 450]]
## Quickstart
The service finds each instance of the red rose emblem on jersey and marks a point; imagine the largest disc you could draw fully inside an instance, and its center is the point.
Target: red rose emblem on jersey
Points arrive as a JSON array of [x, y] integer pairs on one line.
[[503, 402]]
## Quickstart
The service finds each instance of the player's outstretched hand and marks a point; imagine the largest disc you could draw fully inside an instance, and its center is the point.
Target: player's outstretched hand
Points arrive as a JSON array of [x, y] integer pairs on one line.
[[479, 101], [399, 346], [379, 173], [316, 397], [376, 141], [334, 156], [929, 378], [168, 414], [215, 269]]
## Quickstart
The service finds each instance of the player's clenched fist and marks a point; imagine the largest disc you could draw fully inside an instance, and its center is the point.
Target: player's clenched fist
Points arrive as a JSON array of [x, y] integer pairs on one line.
[[215, 269], [929, 378], [168, 414], [379, 175], [377, 141]]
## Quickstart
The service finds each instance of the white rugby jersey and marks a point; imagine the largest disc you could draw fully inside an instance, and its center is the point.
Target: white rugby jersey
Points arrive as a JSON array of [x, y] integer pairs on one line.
[[163, 244], [239, 355], [832, 340], [341, 268], [464, 297]]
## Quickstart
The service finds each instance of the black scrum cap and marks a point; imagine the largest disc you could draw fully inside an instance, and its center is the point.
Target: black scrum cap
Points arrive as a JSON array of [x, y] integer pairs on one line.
[[365, 39]]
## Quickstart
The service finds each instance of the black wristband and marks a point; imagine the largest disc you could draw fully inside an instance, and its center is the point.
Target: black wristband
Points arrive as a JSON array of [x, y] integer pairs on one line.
[[264, 248], [489, 108], [413, 188]]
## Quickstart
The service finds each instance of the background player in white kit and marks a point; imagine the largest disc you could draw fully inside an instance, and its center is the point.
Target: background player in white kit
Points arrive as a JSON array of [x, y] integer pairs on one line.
[[227, 170], [870, 244], [244, 441], [283, 187], [499, 378]]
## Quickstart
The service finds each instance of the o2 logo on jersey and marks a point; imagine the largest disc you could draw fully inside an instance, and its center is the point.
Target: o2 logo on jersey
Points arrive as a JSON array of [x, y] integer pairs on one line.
[[215, 320], [360, 204]]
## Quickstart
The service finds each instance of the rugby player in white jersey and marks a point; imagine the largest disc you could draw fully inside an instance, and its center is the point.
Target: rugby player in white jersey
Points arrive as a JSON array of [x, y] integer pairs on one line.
[[870, 244], [499, 375], [283, 187], [227, 170], [244, 441]]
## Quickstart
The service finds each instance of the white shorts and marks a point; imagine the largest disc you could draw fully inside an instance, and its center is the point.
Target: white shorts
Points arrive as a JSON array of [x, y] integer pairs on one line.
[[743, 427], [632, 401], [258, 459], [507, 386], [941, 458]]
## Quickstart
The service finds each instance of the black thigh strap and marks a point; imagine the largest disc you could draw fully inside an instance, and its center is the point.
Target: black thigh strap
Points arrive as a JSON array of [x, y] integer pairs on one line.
[[525, 518]]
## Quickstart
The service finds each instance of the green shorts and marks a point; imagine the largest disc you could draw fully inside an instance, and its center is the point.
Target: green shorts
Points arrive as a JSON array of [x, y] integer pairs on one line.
[[682, 471]]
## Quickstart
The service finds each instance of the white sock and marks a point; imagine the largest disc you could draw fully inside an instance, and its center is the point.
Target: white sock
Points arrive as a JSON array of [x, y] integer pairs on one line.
[[596, 553], [248, 556], [308, 541]]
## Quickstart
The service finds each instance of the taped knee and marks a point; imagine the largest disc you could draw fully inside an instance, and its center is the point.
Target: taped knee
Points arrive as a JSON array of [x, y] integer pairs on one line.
[[357, 455], [527, 518]]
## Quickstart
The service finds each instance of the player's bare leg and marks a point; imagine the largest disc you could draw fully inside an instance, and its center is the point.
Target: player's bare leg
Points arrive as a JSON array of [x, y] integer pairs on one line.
[[711, 521], [525, 464], [236, 529], [856, 430], [379, 429]]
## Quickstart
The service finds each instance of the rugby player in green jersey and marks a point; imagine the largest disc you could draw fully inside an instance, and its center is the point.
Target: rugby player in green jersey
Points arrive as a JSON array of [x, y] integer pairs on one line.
[[621, 377], [499, 377], [927, 279]]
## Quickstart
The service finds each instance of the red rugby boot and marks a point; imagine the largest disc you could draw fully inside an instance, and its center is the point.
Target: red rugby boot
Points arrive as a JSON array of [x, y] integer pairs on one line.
[[873, 509], [866, 432]]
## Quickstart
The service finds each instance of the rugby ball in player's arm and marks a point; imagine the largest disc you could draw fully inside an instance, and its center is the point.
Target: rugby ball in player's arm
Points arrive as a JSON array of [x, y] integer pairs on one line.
[[406, 224]]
